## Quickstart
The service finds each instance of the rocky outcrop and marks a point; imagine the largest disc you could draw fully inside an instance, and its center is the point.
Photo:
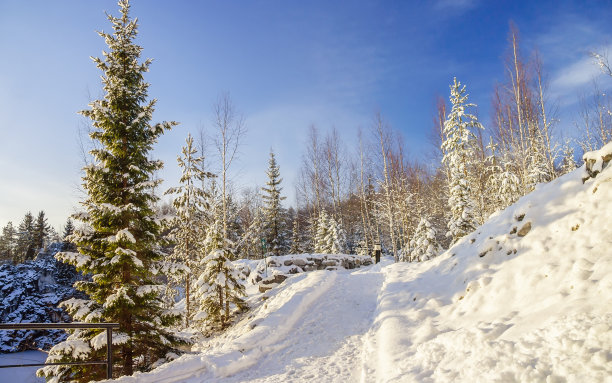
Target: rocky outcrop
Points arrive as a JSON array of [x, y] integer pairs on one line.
[[280, 267], [30, 292], [596, 161]]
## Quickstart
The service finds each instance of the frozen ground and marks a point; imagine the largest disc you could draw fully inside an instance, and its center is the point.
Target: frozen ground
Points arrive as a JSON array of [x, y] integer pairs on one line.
[[25, 374], [525, 298]]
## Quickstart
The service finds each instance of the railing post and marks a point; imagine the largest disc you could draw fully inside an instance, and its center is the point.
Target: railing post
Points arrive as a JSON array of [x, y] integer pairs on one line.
[[109, 353]]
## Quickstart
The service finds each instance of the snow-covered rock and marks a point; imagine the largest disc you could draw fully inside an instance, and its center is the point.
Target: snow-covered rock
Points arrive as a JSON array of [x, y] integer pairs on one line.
[[270, 272], [30, 292], [596, 161]]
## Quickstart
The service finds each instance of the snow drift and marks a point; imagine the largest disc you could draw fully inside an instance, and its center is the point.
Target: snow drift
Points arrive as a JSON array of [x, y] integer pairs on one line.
[[526, 297]]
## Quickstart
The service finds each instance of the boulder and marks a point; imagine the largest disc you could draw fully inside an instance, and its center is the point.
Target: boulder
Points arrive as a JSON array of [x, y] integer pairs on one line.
[[299, 262], [524, 229], [276, 278], [329, 262], [264, 288]]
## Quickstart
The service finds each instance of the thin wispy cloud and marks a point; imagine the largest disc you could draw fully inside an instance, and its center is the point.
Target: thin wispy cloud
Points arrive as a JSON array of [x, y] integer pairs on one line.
[[572, 79], [455, 5]]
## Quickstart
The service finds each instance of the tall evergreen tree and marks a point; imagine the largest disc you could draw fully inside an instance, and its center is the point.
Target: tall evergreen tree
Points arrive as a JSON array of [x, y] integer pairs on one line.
[[273, 211], [187, 232], [119, 242], [458, 149], [41, 231], [26, 248]]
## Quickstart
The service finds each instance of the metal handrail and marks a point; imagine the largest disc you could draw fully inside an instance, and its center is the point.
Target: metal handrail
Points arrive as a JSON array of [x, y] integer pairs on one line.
[[48, 326]]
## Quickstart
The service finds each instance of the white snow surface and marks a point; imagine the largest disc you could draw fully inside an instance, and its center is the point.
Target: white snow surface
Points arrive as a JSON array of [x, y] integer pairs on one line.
[[496, 307], [22, 374]]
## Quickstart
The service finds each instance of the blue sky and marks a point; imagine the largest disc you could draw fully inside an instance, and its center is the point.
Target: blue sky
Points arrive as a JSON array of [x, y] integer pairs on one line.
[[286, 64]]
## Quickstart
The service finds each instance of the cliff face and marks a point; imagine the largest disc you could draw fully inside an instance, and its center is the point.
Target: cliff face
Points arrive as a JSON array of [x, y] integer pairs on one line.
[[30, 292]]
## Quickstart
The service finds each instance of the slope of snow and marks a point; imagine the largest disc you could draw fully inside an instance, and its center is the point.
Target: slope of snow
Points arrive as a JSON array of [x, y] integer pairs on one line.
[[525, 298]]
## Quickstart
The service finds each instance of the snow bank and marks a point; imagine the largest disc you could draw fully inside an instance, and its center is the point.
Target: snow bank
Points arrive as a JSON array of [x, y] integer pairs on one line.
[[525, 298], [503, 307]]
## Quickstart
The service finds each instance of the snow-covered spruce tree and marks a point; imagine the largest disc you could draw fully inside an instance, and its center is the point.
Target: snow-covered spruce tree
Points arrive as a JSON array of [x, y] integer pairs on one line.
[[509, 184], [568, 162], [250, 243], [219, 289], [458, 149], [320, 240], [8, 243], [423, 244], [503, 186], [296, 240], [41, 231], [187, 232], [537, 168], [118, 243], [25, 248], [336, 237], [273, 211], [68, 229]]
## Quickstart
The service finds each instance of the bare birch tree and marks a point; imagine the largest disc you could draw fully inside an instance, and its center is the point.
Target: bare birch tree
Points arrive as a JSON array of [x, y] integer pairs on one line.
[[229, 131]]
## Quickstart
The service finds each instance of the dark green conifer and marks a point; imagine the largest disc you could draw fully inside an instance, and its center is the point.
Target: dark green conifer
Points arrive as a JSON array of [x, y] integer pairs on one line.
[[118, 243]]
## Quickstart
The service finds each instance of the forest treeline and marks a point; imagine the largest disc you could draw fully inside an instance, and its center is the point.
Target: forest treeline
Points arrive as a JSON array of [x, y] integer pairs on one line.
[[23, 242]]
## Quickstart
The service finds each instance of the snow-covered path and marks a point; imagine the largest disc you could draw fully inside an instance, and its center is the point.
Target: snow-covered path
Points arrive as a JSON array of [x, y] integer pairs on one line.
[[325, 344], [312, 330]]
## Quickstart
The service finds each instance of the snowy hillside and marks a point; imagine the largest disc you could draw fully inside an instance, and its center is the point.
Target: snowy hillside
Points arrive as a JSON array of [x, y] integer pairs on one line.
[[527, 297]]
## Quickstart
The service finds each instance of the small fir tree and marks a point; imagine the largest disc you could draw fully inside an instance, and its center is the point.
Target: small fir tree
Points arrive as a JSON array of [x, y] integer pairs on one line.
[[67, 235], [537, 168], [336, 237], [187, 232], [296, 241], [118, 243], [320, 240], [568, 163], [423, 245], [503, 186], [273, 210], [509, 185], [68, 230], [251, 240], [458, 149], [219, 288]]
